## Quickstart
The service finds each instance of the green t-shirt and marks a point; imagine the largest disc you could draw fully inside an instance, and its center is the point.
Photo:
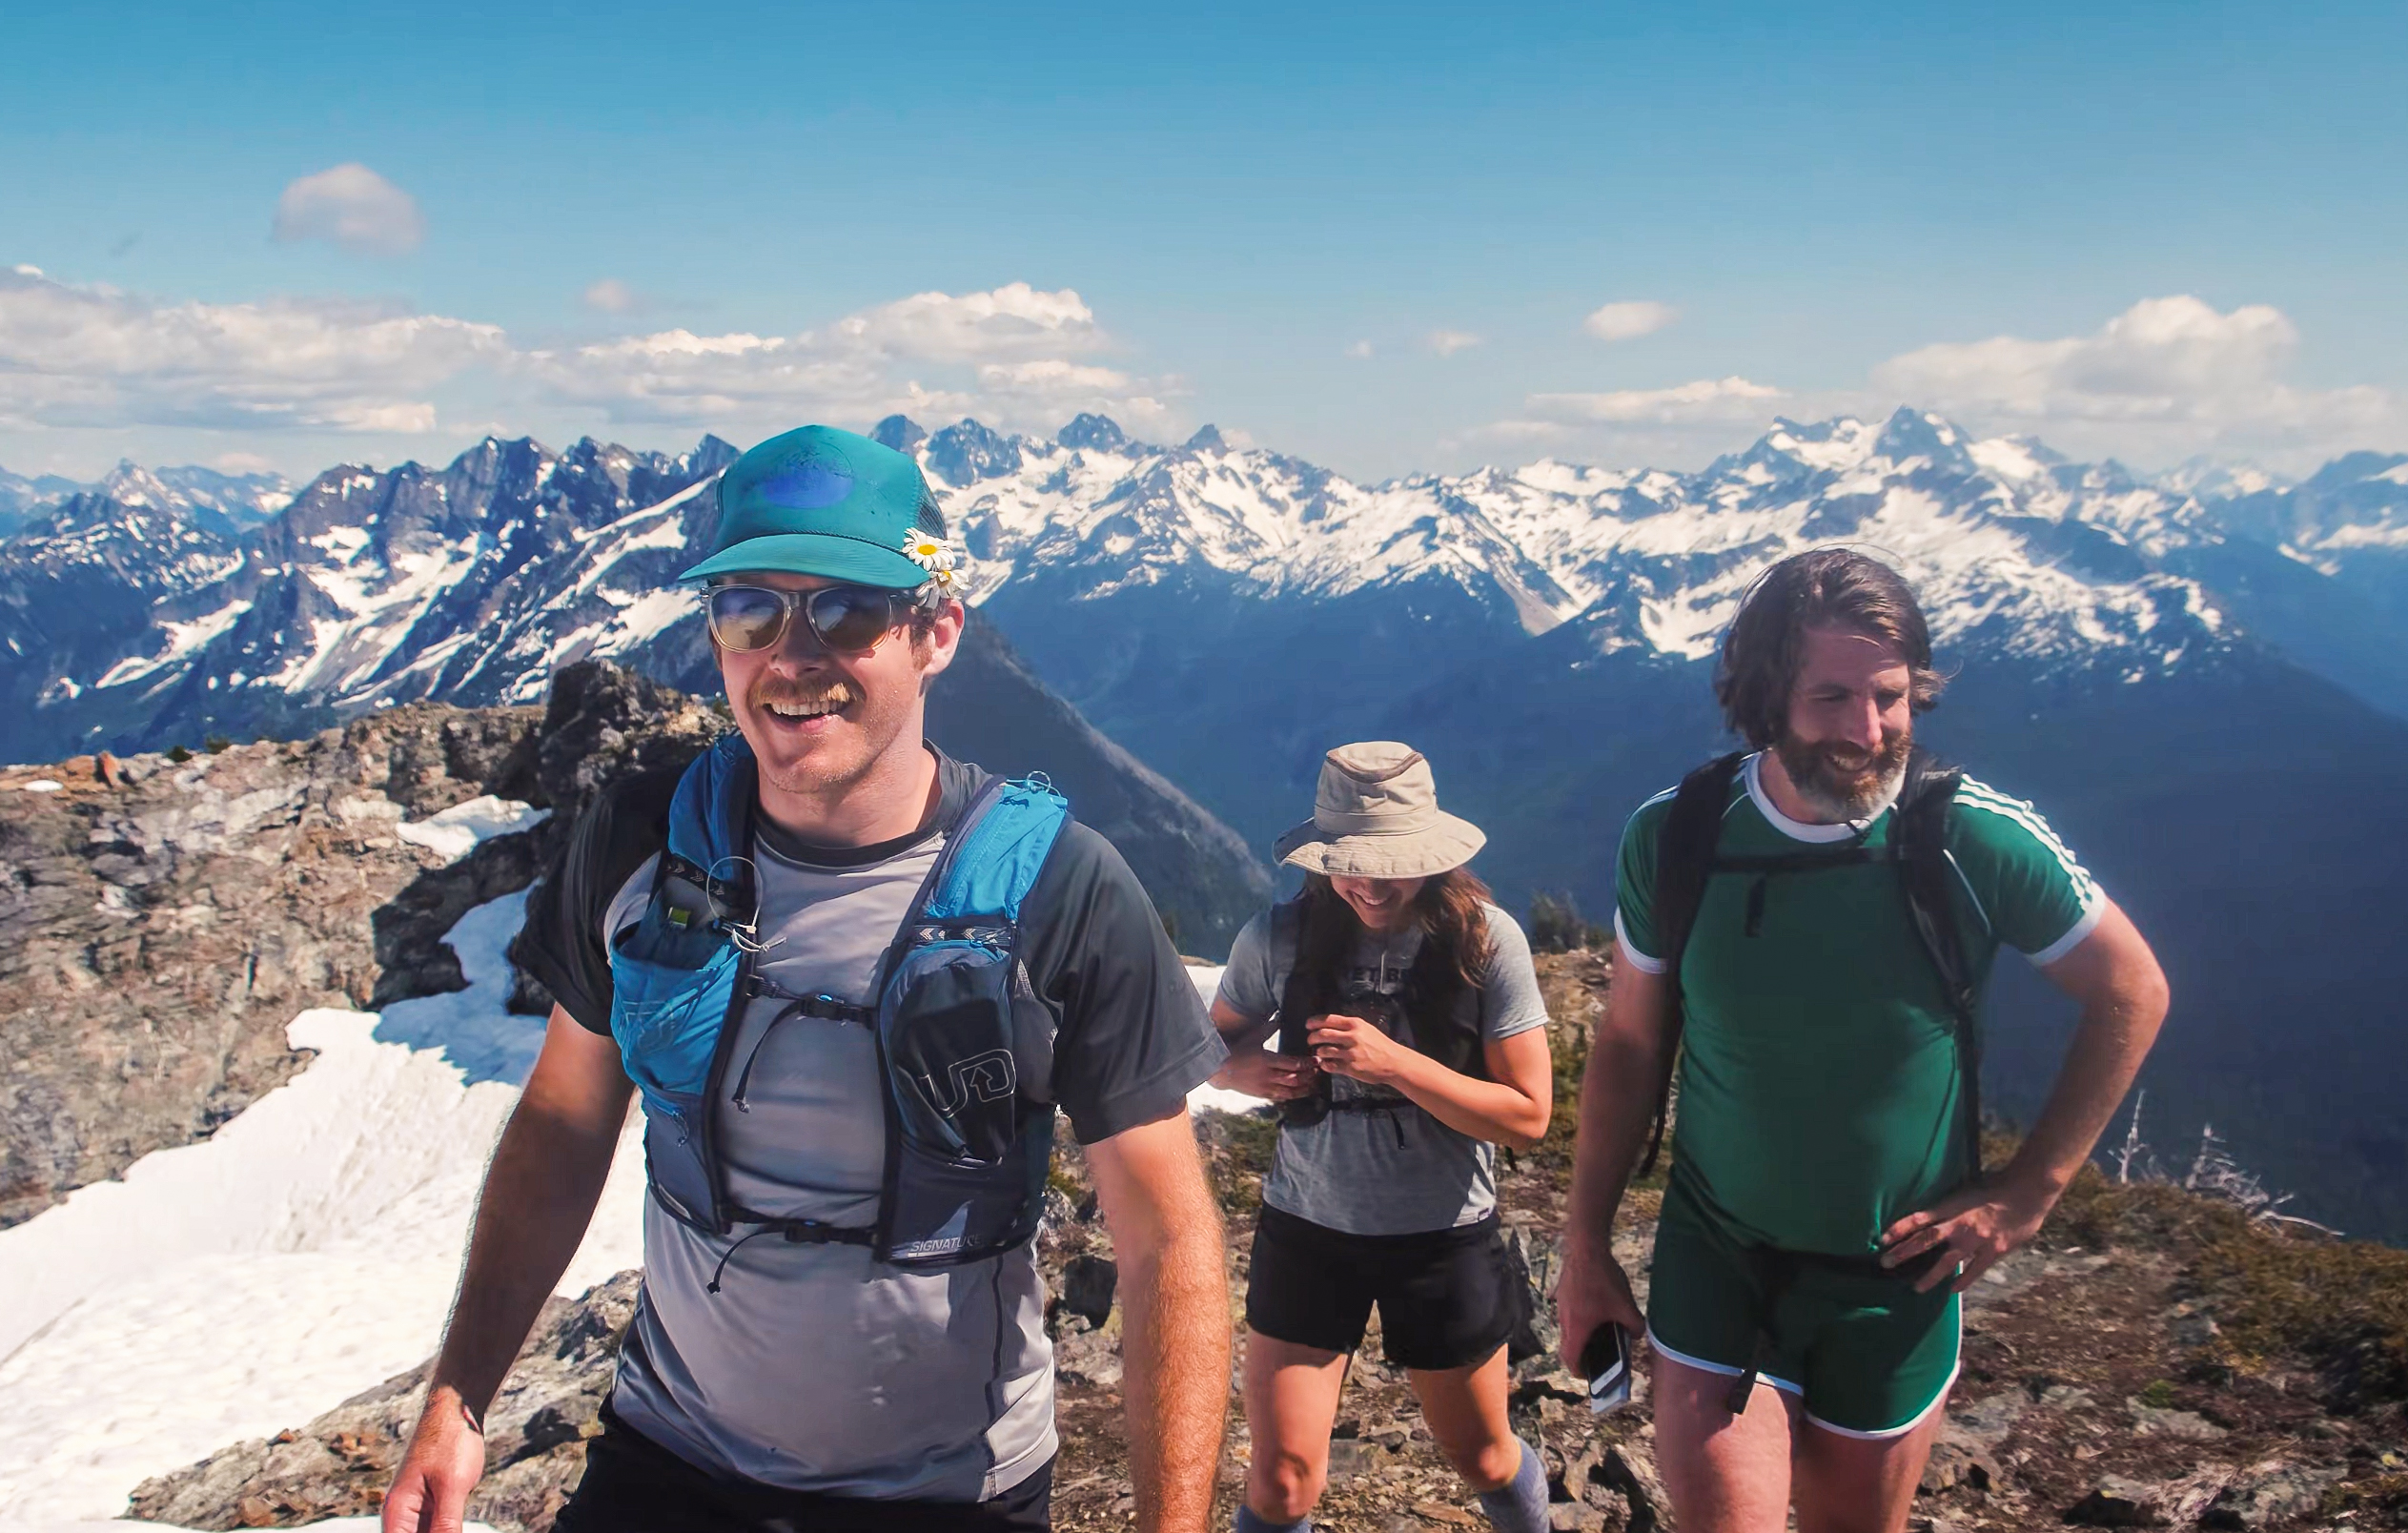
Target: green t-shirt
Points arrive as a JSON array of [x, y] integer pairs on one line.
[[1820, 1093]]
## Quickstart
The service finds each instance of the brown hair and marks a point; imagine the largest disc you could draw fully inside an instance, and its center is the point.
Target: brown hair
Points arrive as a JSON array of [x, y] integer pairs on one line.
[[1821, 588], [1451, 911]]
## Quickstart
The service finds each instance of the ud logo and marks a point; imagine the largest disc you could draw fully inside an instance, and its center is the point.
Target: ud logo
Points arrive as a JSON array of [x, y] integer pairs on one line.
[[987, 1077]]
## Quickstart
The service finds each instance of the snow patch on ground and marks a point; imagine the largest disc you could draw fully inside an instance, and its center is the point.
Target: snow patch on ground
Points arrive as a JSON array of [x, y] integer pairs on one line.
[[236, 1287], [455, 832], [1212, 1098]]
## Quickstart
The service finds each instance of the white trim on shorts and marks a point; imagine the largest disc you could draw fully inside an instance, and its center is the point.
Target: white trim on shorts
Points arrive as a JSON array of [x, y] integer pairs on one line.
[[1725, 1369], [1922, 1415], [1939, 1397]]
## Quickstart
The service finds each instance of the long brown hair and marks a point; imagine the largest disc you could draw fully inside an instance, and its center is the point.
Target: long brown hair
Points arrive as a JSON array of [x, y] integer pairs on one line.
[[1451, 910], [1823, 588]]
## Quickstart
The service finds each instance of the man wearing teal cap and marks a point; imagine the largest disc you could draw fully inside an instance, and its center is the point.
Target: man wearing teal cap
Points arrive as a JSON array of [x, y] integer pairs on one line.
[[805, 1355]]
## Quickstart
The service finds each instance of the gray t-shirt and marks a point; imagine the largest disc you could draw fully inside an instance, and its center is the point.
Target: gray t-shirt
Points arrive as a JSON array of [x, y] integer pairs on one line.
[[1385, 1173], [815, 1367]]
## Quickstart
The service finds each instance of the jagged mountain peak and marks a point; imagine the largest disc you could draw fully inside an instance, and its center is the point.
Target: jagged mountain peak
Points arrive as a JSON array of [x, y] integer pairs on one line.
[[966, 452], [1100, 433], [899, 432]]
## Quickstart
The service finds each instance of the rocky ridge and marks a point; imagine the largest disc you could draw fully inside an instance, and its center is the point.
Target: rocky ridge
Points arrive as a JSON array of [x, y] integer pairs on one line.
[[162, 920]]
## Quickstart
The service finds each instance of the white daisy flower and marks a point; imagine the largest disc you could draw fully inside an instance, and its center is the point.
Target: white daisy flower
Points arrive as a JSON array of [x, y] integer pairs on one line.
[[931, 552]]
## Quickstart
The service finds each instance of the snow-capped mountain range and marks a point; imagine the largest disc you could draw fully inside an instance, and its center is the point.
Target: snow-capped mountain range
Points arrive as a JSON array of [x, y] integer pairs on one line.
[[243, 500], [472, 582], [2160, 664], [1996, 532]]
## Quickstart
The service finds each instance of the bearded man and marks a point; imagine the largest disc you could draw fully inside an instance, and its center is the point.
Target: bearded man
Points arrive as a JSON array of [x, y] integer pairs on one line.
[[854, 980], [1808, 927]]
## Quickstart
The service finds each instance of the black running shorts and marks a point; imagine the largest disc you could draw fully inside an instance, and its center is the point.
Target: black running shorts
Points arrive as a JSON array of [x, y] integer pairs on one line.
[[633, 1484], [1448, 1298]]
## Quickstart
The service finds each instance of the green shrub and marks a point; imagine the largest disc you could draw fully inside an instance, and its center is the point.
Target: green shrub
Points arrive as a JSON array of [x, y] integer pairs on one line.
[[2339, 1307], [1555, 925], [179, 754]]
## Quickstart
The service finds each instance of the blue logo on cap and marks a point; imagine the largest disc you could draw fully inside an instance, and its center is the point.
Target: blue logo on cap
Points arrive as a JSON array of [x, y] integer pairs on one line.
[[807, 486]]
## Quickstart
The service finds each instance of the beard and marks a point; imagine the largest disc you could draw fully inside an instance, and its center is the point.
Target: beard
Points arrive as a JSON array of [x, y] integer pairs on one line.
[[1841, 781]]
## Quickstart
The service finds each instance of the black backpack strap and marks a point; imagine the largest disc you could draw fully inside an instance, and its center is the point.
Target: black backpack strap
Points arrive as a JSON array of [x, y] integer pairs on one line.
[[1684, 860], [1296, 993], [1927, 876]]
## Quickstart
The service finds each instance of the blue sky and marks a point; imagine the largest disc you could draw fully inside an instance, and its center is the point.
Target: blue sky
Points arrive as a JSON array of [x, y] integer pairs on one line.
[[1367, 236]]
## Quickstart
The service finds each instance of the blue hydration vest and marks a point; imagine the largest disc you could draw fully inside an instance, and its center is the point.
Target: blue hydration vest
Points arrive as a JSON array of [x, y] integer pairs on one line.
[[967, 1151]]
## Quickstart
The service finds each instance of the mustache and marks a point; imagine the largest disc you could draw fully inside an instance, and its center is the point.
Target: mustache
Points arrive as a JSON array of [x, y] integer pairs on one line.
[[836, 691]]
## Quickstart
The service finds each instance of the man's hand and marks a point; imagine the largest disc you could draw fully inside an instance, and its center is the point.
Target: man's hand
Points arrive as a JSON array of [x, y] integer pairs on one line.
[[1355, 1047], [1977, 1224], [446, 1459], [1260, 1072], [1592, 1291], [2116, 977]]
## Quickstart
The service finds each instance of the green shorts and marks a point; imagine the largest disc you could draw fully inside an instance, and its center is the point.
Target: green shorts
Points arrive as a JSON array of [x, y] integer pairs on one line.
[[1867, 1355]]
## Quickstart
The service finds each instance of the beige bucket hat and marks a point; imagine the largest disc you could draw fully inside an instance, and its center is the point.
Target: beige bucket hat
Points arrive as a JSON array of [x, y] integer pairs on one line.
[[1375, 815]]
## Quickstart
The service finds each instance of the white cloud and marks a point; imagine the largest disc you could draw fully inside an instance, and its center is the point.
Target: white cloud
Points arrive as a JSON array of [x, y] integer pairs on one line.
[[610, 295], [353, 207], [241, 463], [1011, 356], [1014, 320], [1359, 350], [1712, 399], [1629, 321], [2167, 376], [1447, 342], [97, 356]]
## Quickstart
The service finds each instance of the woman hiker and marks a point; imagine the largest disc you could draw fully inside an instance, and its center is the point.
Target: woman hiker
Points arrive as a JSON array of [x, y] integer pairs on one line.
[[1412, 1042]]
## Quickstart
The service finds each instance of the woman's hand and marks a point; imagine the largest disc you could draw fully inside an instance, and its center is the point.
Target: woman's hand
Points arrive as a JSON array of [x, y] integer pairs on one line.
[[1260, 1072], [1355, 1047]]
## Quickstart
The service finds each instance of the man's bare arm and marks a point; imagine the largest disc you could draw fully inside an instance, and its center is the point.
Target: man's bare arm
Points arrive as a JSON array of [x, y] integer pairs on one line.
[[2124, 998], [1174, 1316], [546, 1174], [1619, 1090]]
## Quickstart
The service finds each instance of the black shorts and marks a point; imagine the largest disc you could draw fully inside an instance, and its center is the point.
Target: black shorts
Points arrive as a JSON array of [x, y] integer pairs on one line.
[[633, 1484], [1447, 1298]]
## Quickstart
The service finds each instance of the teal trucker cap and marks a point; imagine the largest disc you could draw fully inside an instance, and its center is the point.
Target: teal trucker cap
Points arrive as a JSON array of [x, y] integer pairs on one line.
[[821, 502]]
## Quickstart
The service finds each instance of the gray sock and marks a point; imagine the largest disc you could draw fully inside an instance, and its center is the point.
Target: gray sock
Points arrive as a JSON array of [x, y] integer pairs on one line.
[[1521, 1506], [1249, 1523]]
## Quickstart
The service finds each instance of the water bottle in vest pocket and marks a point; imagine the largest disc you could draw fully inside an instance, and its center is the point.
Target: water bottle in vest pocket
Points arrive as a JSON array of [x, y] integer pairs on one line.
[[670, 991], [972, 1149], [947, 1028]]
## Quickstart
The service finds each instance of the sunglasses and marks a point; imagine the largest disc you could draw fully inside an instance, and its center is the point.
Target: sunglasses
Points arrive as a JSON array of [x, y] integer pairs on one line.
[[848, 619]]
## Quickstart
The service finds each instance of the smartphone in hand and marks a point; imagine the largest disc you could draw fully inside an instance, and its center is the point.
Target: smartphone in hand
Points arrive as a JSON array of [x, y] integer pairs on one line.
[[1605, 1363]]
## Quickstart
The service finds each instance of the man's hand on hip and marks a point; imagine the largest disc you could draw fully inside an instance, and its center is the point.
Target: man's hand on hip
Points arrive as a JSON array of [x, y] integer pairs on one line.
[[446, 1457], [1977, 1224]]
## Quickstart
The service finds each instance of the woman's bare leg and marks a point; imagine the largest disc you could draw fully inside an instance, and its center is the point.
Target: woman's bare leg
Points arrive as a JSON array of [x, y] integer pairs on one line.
[[1465, 1409], [1291, 1405]]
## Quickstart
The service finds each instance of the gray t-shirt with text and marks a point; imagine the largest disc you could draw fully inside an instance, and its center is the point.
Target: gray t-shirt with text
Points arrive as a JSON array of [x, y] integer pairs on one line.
[[1396, 1172]]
